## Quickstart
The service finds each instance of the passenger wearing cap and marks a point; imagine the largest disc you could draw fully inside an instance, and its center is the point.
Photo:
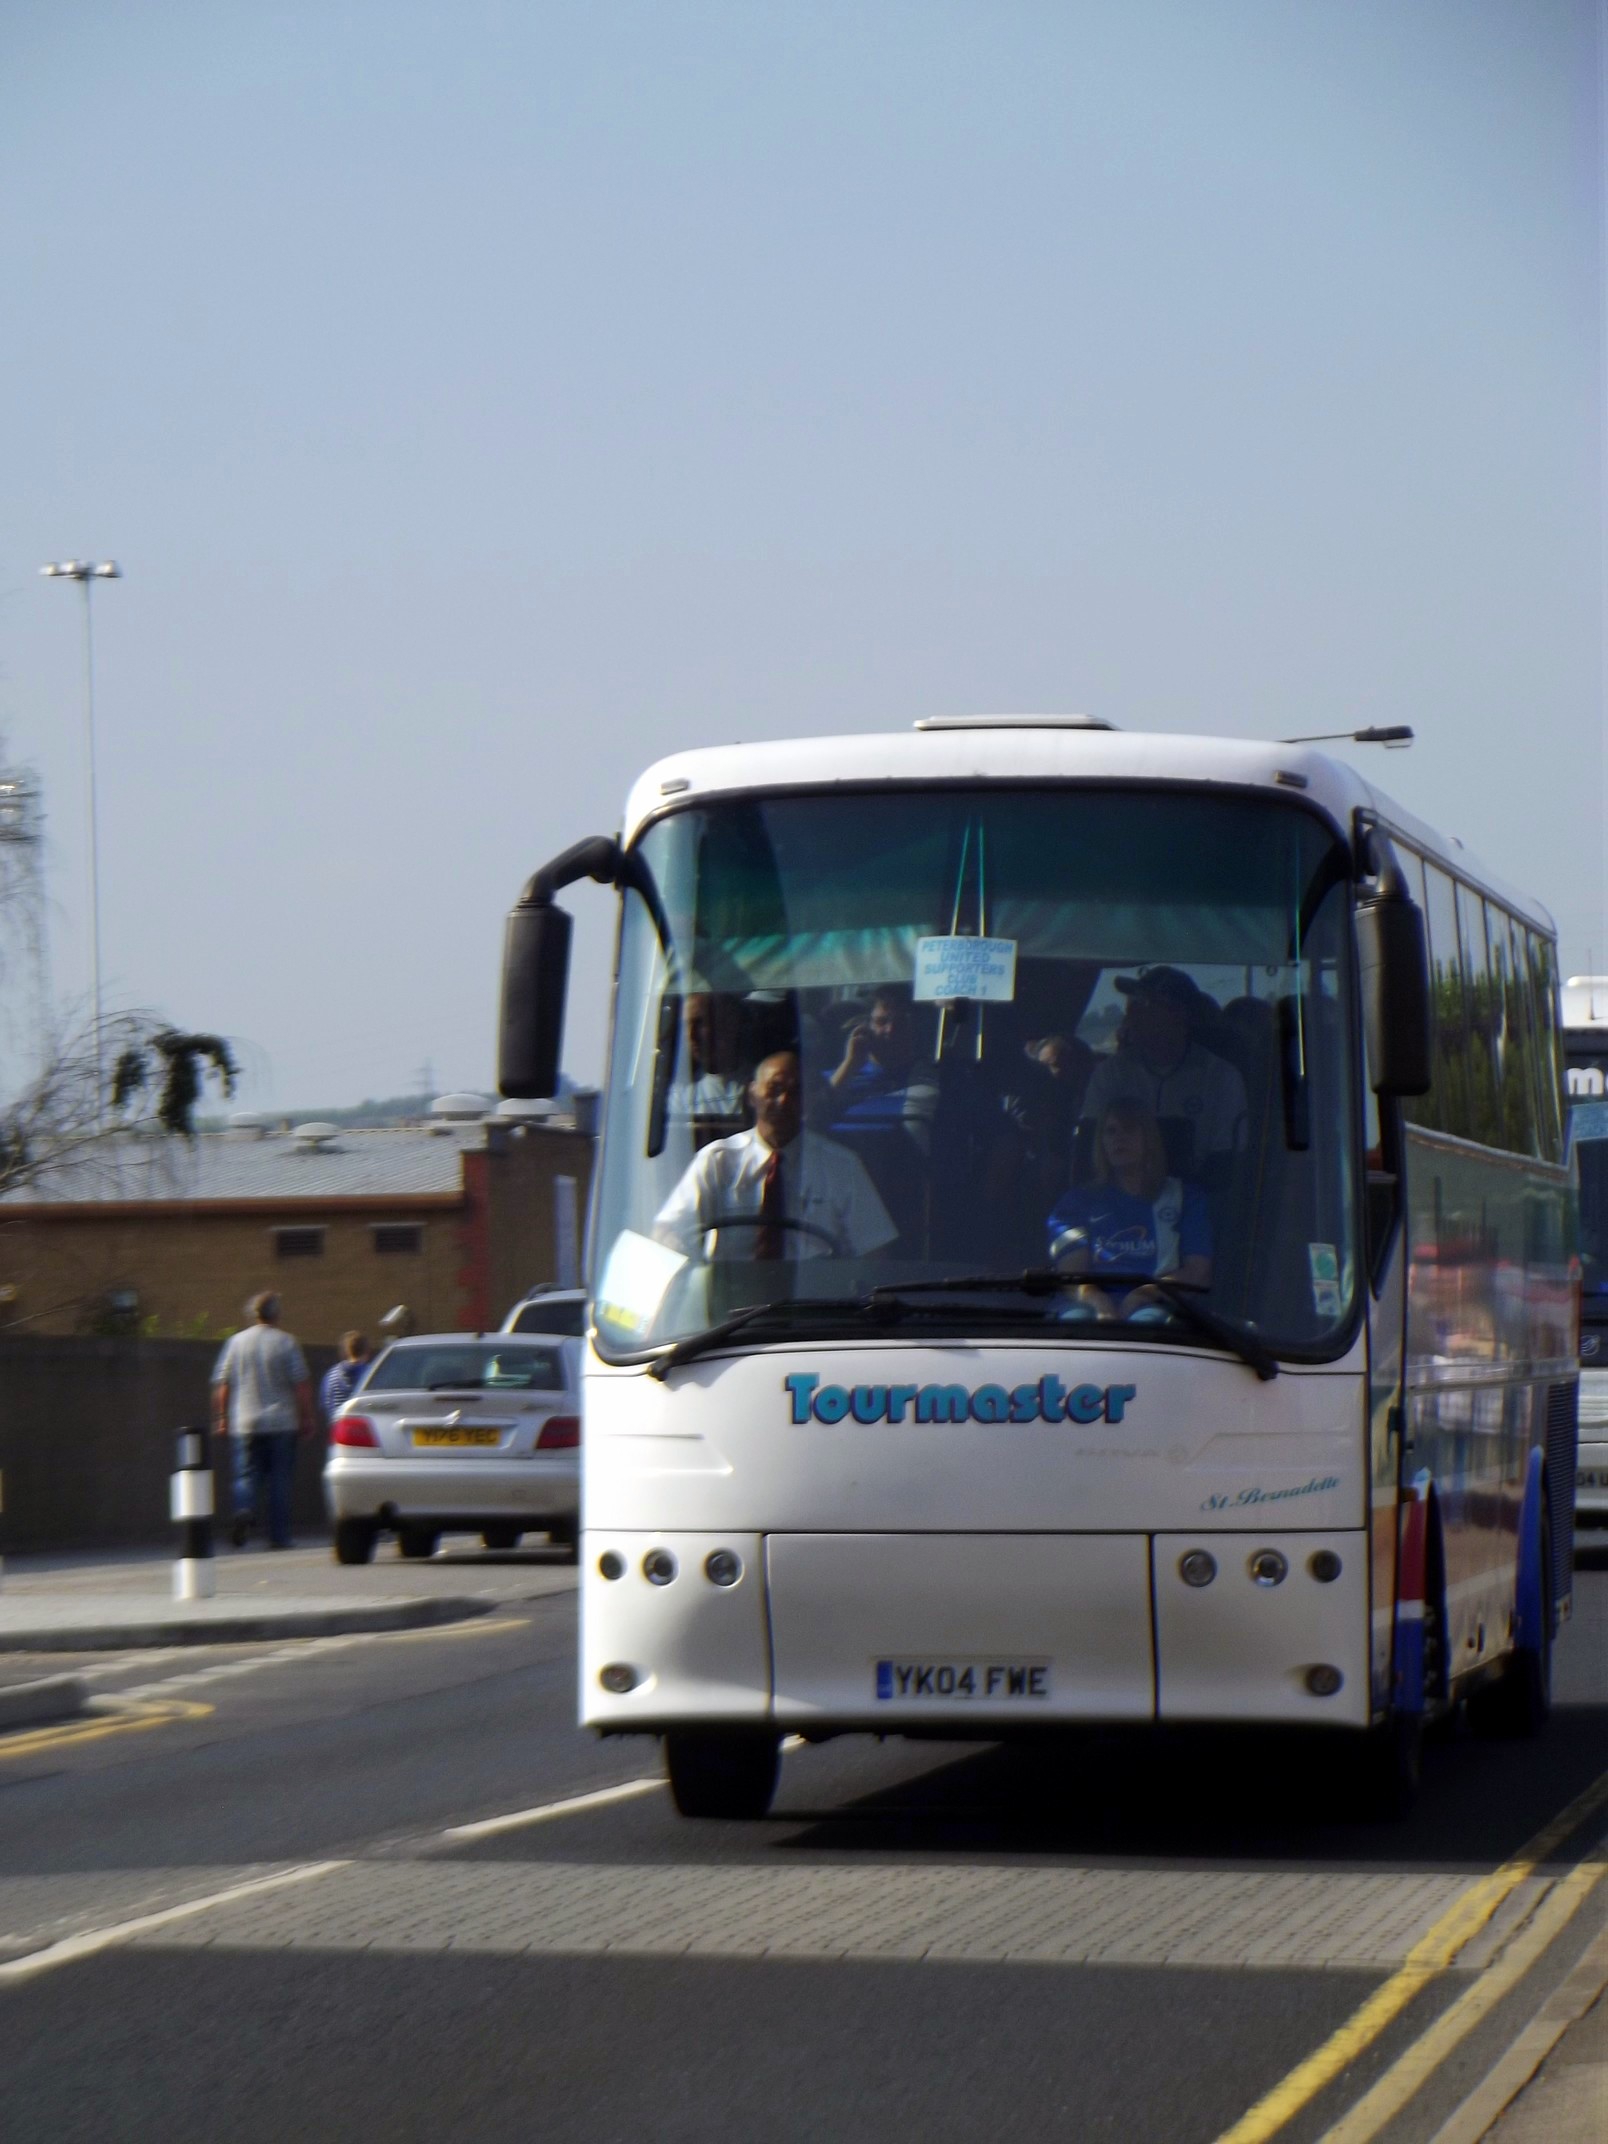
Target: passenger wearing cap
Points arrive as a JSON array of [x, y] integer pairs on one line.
[[1157, 1061]]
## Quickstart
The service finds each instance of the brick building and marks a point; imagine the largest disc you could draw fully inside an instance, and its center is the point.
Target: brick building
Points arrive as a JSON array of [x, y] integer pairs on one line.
[[457, 1218]]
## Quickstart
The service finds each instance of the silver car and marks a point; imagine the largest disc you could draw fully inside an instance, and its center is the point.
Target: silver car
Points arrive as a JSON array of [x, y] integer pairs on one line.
[[458, 1432]]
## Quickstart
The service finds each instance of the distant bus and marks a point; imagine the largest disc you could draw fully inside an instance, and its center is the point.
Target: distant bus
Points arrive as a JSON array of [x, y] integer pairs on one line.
[[1585, 1049], [1082, 1234]]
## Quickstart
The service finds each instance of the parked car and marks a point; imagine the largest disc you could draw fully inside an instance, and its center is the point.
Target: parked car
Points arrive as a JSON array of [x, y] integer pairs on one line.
[[460, 1433], [560, 1311]]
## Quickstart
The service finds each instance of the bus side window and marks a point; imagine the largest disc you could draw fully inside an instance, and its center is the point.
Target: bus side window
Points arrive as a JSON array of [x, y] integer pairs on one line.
[[1421, 1109], [1452, 1112], [1544, 993], [1520, 1101], [1484, 1121]]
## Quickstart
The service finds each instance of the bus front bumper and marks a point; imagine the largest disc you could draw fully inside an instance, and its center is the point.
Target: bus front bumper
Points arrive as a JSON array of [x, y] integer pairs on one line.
[[976, 1634]]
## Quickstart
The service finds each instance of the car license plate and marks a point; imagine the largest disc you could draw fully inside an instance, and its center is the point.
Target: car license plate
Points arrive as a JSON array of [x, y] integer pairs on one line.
[[962, 1680], [457, 1436]]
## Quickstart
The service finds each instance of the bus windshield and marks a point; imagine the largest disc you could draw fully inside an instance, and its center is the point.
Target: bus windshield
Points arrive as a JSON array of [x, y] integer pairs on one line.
[[877, 1041]]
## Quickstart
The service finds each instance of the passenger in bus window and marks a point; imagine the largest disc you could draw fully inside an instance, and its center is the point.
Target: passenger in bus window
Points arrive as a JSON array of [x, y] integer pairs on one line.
[[778, 1190], [1159, 1061], [882, 1100], [1134, 1220], [713, 1085]]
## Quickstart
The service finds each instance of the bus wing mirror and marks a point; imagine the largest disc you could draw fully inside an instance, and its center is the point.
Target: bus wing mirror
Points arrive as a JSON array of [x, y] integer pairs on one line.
[[535, 979], [1394, 960]]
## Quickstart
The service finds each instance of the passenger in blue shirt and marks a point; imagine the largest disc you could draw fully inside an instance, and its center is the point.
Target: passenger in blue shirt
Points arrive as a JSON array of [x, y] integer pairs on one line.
[[1133, 1218]]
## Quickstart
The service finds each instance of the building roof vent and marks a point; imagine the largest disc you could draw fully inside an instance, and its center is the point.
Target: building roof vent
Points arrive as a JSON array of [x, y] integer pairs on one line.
[[460, 1108], [246, 1124], [315, 1138], [1014, 722]]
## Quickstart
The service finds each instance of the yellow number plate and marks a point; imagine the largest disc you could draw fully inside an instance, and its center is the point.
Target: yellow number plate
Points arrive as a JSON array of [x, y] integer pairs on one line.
[[457, 1436]]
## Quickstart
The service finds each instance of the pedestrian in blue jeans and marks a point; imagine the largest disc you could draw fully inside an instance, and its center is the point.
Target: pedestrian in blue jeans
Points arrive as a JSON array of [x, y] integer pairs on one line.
[[262, 1399]]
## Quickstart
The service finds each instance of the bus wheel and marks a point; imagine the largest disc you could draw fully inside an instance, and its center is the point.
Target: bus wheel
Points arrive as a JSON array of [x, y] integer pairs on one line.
[[1390, 1768], [722, 1771], [500, 1537], [1518, 1704]]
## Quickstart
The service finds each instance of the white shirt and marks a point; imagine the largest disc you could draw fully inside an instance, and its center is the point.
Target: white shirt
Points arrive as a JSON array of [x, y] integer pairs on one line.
[[1205, 1089], [824, 1187], [262, 1366], [711, 1094]]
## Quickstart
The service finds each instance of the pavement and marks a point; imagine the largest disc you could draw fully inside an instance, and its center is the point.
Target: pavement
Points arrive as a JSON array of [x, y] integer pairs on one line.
[[110, 1602]]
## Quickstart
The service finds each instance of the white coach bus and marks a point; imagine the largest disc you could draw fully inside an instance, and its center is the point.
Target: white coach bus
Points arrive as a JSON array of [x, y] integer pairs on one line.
[[1082, 1234]]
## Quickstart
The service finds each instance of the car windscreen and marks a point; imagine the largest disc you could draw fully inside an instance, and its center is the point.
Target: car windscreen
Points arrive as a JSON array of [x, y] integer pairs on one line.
[[468, 1366], [564, 1315]]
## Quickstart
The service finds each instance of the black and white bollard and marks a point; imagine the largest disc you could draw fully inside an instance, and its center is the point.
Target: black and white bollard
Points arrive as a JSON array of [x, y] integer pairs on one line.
[[194, 1576]]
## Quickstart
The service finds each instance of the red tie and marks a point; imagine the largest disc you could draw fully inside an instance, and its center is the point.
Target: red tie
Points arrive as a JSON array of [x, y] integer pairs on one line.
[[772, 1210]]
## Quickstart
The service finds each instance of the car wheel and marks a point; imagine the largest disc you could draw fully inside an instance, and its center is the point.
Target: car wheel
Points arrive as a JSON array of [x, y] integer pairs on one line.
[[417, 1540], [503, 1537], [722, 1772], [566, 1535], [354, 1540]]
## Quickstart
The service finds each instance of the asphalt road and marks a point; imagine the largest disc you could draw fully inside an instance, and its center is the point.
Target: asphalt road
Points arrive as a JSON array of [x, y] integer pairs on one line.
[[1096, 1939]]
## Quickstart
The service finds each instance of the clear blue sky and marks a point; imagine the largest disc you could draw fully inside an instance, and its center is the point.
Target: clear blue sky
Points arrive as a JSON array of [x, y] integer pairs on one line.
[[482, 399]]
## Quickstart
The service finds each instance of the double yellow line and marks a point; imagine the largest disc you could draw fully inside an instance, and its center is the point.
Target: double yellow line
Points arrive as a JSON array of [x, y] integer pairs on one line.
[[1426, 1961], [121, 1716]]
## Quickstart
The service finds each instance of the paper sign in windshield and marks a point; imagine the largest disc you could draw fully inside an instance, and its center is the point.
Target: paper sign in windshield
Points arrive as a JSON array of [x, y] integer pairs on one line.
[[636, 1279], [965, 968]]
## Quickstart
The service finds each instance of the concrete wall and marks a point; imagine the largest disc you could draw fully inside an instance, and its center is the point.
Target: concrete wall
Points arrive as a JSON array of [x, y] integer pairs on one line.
[[86, 1440]]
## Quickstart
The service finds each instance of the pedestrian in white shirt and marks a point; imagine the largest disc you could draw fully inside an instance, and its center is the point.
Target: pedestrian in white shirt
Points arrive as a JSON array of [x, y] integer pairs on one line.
[[262, 1398], [777, 1191]]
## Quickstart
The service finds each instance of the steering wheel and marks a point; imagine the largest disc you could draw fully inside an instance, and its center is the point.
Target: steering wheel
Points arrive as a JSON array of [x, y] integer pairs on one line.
[[753, 1220]]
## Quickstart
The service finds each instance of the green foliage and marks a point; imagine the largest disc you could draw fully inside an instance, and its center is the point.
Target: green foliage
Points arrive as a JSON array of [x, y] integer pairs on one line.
[[173, 1063]]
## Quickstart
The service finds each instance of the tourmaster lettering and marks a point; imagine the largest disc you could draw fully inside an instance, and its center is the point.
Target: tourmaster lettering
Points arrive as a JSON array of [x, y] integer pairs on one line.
[[1047, 1401]]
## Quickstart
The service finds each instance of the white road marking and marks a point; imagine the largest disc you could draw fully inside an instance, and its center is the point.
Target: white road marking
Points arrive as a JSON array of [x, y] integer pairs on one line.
[[550, 1812], [71, 1948]]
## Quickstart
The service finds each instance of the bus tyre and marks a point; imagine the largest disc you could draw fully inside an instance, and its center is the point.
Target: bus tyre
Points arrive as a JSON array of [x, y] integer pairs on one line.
[[722, 1771], [1390, 1765], [500, 1537], [354, 1540], [1518, 1704], [417, 1541]]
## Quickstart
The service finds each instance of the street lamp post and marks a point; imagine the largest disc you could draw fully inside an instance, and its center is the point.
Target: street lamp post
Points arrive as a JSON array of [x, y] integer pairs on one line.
[[86, 572]]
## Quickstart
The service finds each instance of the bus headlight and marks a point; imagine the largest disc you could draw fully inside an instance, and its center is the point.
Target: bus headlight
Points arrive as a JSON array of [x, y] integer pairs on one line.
[[723, 1567], [611, 1564], [1323, 1681], [1324, 1565], [659, 1567], [1269, 1568], [1197, 1568], [618, 1679]]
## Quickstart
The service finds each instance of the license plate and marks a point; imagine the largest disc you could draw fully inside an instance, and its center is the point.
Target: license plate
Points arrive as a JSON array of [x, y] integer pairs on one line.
[[457, 1436], [962, 1681]]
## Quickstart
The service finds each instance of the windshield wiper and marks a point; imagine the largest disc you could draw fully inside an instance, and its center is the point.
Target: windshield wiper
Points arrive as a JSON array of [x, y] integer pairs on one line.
[[886, 1305], [891, 1304], [1177, 1294], [662, 1360]]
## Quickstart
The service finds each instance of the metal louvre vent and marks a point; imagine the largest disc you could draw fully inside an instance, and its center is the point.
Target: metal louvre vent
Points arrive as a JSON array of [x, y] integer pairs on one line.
[[1562, 1453]]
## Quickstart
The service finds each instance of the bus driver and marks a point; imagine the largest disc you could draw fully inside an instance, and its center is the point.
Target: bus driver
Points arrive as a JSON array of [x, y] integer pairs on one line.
[[777, 1190]]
